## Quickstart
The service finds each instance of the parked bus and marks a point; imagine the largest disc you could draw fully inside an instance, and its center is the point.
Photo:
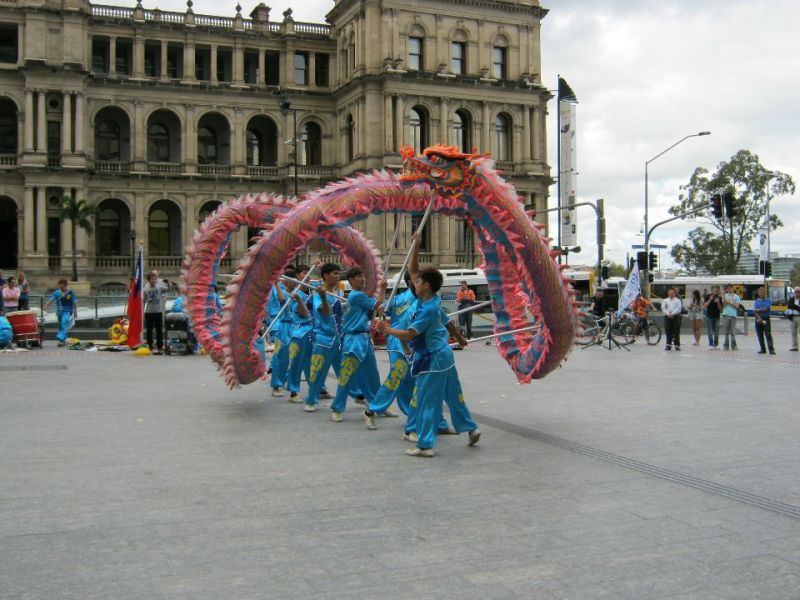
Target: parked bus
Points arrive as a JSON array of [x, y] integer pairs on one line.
[[746, 286]]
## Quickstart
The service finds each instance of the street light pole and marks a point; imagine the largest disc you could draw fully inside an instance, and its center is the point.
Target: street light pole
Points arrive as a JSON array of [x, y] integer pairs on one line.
[[287, 106], [646, 203]]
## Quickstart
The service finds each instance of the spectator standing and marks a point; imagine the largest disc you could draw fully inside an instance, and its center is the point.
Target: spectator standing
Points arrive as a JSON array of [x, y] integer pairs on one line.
[[793, 314], [713, 309], [762, 308], [154, 295], [695, 315], [730, 308], [465, 298], [598, 307], [24, 291], [672, 307], [11, 295]]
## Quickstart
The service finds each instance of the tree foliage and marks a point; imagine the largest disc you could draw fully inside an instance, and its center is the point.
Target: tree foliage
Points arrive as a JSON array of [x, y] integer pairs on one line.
[[80, 213], [717, 249]]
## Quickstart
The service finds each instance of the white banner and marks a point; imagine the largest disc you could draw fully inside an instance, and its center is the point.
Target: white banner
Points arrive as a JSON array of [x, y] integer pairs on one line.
[[569, 173], [762, 244], [631, 290]]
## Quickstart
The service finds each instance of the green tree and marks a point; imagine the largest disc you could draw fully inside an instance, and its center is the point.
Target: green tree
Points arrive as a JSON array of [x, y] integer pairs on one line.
[[617, 270], [719, 248], [795, 275], [80, 213]]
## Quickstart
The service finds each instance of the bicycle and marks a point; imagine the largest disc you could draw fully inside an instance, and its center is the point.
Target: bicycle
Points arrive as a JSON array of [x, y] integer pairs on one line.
[[607, 332], [651, 331]]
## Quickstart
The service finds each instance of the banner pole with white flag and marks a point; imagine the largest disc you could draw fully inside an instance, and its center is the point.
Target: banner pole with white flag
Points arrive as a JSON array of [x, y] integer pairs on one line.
[[632, 289]]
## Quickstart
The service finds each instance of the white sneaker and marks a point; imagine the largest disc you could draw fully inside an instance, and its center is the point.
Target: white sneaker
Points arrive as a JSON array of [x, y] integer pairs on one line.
[[294, 397], [277, 392], [424, 452], [369, 421], [411, 436], [336, 417], [474, 437], [325, 395], [389, 412], [310, 408], [361, 399]]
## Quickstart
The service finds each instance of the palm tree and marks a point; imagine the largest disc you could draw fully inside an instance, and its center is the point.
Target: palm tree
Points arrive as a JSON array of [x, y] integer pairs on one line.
[[80, 213]]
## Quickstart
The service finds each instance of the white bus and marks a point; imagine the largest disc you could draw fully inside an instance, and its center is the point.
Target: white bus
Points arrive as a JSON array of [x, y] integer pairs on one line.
[[746, 286]]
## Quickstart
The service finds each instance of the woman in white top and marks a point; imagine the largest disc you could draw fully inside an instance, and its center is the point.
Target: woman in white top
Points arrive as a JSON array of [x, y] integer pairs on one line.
[[695, 315]]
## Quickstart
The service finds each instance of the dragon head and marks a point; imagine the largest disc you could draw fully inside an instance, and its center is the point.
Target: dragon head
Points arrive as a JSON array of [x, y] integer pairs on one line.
[[449, 170]]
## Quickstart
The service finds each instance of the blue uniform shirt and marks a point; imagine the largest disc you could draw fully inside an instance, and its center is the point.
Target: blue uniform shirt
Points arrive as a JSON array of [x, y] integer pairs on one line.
[[274, 304], [64, 301], [302, 325], [431, 350], [399, 311], [326, 328], [357, 316]]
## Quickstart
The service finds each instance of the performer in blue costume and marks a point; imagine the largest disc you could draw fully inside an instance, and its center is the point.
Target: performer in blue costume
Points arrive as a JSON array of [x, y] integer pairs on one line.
[[326, 311], [433, 365], [301, 335], [66, 307], [281, 332], [359, 367]]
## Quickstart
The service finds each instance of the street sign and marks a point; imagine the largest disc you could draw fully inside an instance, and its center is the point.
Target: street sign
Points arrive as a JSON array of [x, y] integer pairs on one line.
[[641, 246]]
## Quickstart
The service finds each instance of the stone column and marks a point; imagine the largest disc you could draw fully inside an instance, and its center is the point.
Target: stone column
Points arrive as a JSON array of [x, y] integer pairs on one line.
[[442, 120], [41, 124], [79, 133], [486, 140], [361, 128], [262, 66], [537, 133], [138, 56], [388, 124], [401, 134], [238, 155], [41, 221], [238, 62], [188, 61], [213, 63], [163, 65], [526, 133], [139, 134], [28, 240], [66, 125], [112, 57], [29, 119], [311, 80]]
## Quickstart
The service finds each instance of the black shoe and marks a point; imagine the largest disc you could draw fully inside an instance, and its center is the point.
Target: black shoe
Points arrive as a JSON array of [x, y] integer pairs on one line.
[[677, 348], [762, 352], [772, 352], [668, 348], [792, 349]]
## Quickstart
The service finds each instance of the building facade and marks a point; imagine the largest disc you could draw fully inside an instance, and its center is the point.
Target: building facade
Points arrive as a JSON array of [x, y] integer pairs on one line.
[[157, 117]]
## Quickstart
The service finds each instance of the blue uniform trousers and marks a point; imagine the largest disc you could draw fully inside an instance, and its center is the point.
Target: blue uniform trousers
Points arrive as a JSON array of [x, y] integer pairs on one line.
[[299, 361], [431, 388], [360, 374], [322, 359], [399, 383], [64, 318]]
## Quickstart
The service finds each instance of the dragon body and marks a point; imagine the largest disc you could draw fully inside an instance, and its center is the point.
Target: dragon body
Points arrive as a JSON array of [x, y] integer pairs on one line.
[[212, 239], [525, 283]]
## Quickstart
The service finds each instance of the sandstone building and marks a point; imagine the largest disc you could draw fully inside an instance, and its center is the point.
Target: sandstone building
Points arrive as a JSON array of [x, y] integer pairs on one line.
[[156, 117]]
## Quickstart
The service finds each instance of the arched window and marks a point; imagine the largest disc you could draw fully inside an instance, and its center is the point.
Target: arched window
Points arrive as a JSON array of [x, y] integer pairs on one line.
[[416, 49], [418, 125], [107, 140], [351, 138], [500, 59], [109, 232], [158, 233], [311, 146], [206, 146], [254, 148], [460, 133], [8, 127], [502, 136], [458, 53], [207, 209], [157, 143]]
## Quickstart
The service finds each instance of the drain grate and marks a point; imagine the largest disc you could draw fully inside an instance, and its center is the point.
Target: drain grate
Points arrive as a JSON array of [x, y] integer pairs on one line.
[[782, 508], [33, 368]]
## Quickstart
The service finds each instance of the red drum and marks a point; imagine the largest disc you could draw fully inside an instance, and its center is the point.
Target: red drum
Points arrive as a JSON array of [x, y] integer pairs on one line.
[[25, 326]]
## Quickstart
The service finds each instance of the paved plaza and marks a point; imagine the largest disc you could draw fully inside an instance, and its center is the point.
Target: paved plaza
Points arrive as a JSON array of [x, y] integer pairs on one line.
[[641, 474]]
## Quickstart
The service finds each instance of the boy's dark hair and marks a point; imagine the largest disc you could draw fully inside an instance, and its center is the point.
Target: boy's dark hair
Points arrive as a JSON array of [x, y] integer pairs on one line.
[[329, 268], [302, 268], [353, 272], [63, 280], [432, 277], [290, 272]]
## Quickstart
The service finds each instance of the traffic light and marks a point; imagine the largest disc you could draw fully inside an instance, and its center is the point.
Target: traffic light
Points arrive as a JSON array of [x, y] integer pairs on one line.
[[765, 268], [653, 261], [641, 260], [730, 209], [716, 206], [650, 277], [604, 272]]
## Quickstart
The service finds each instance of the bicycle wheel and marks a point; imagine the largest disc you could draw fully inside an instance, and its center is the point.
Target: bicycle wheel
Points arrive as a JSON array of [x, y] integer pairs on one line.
[[588, 336], [652, 333], [627, 333]]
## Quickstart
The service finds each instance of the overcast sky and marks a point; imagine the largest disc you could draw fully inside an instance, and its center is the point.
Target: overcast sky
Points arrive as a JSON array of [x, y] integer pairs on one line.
[[646, 74]]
